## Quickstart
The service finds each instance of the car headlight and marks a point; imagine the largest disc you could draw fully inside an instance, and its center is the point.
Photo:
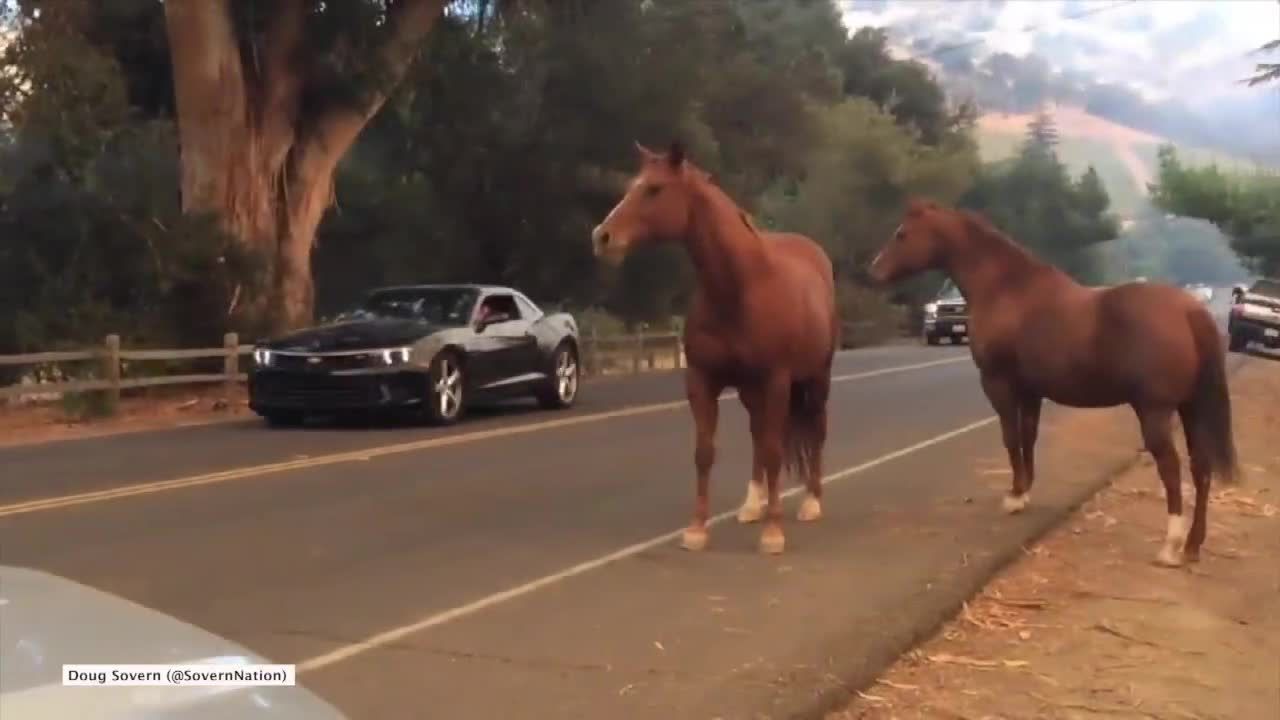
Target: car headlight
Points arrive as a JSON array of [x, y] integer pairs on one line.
[[931, 311], [262, 357], [395, 356]]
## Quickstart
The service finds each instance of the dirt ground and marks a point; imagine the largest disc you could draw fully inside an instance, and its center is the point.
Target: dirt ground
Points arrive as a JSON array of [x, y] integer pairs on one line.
[[158, 408], [1086, 626]]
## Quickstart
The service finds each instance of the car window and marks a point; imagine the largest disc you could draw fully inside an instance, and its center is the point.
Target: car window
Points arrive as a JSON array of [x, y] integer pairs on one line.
[[949, 291], [527, 307], [440, 305], [502, 304]]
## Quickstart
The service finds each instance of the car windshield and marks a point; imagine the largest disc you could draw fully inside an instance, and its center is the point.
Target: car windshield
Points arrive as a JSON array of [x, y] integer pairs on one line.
[[447, 306], [949, 291], [1266, 288]]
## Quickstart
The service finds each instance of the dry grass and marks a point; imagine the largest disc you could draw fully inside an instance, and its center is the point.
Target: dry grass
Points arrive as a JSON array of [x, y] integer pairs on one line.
[[1085, 626]]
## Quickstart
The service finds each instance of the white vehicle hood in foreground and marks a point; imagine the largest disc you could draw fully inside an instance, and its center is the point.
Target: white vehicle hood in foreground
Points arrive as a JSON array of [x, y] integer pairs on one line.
[[46, 621]]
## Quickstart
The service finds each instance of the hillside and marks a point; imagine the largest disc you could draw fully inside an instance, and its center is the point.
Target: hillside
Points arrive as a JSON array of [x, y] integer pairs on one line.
[[1125, 158]]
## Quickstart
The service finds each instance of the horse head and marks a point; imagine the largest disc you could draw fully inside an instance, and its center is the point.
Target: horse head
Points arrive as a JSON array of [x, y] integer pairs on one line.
[[918, 244], [655, 208]]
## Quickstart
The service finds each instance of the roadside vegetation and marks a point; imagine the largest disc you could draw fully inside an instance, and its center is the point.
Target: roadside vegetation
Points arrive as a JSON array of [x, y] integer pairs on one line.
[[363, 143]]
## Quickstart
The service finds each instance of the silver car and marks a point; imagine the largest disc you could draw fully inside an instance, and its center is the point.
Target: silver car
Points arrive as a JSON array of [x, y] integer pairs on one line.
[[47, 621]]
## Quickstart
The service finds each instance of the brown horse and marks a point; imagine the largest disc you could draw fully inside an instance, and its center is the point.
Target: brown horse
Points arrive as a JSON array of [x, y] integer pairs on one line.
[[763, 320], [1035, 334]]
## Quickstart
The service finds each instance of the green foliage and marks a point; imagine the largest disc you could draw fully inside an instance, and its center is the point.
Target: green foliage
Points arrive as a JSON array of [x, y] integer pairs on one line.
[[93, 239], [491, 161], [1034, 200], [1245, 207]]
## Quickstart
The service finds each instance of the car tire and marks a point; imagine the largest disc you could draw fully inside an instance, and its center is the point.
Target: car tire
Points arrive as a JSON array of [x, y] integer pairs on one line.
[[446, 389], [284, 418], [561, 390], [931, 339], [1236, 342]]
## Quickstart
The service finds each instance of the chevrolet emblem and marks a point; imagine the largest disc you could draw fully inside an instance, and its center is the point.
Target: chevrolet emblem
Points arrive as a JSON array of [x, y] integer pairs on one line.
[[313, 360]]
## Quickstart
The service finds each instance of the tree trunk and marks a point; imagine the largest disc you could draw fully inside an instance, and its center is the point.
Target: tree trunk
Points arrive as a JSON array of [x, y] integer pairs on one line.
[[248, 156]]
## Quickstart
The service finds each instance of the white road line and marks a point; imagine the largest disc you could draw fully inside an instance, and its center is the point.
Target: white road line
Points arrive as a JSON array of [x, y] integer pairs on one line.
[[393, 635], [362, 455]]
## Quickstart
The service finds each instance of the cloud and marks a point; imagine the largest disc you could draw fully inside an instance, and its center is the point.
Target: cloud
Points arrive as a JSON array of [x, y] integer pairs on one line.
[[1163, 50]]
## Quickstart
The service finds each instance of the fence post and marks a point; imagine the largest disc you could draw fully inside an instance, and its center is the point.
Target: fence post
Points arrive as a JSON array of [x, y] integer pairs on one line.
[[111, 369], [230, 365], [638, 351]]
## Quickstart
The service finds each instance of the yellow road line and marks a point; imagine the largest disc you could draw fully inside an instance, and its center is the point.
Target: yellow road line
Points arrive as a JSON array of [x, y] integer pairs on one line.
[[148, 488]]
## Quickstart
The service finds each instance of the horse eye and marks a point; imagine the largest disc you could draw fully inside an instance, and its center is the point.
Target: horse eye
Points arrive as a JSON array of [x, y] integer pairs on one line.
[[651, 190]]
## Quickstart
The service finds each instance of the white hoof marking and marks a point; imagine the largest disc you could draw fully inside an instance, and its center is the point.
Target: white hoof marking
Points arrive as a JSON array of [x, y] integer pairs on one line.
[[772, 543], [753, 506], [810, 509], [694, 539], [1014, 504], [1175, 536]]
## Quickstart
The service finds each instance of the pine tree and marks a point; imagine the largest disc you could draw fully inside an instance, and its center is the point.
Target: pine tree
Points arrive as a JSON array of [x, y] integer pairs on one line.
[[1042, 135]]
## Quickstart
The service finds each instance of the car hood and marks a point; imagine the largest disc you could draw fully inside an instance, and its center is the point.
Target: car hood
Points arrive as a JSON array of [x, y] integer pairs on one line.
[[355, 335], [49, 621]]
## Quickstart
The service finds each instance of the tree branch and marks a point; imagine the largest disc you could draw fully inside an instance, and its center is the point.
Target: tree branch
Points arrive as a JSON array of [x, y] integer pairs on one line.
[[408, 24]]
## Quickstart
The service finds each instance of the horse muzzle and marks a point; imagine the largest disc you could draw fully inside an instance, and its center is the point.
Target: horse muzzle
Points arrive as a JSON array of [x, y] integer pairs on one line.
[[607, 247]]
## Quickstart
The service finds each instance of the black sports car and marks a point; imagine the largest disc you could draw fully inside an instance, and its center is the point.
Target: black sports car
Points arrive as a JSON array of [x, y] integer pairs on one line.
[[430, 348]]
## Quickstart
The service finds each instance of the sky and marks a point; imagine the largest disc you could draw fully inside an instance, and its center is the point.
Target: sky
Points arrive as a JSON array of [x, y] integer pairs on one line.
[[1158, 47]]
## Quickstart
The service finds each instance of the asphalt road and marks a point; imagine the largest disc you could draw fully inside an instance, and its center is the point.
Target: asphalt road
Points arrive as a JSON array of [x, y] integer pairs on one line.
[[522, 563]]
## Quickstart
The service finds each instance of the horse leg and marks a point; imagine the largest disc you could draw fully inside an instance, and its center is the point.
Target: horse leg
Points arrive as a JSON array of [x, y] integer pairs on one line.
[[704, 400], [1004, 400], [1157, 433], [752, 508], [811, 507], [1200, 477], [1029, 421], [768, 428]]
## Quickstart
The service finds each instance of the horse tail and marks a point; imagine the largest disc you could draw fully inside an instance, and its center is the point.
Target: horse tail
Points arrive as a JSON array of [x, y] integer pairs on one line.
[[806, 430], [1210, 403]]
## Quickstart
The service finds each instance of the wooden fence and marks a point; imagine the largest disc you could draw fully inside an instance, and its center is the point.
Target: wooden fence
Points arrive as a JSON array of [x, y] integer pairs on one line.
[[601, 355]]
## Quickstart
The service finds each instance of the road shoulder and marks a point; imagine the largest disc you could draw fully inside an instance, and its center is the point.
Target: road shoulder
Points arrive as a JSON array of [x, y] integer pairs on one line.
[[1085, 625]]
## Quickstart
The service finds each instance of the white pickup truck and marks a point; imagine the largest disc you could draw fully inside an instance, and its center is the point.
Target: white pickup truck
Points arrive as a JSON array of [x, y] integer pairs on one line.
[[947, 316]]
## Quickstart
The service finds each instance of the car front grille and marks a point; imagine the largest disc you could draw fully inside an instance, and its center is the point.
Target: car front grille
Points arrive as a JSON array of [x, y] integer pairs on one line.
[[324, 391], [326, 363], [949, 311]]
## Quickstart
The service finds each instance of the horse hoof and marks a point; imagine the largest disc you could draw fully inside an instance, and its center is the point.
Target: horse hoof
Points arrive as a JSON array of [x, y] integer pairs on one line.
[[810, 509], [750, 513], [1014, 504], [772, 541], [1191, 556], [694, 539], [1168, 557]]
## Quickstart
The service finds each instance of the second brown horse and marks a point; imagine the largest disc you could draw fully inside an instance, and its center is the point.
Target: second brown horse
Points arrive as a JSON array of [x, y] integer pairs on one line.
[[763, 320], [1035, 333]]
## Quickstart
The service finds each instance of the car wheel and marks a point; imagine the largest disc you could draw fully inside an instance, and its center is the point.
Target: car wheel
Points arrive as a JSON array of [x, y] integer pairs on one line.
[[1236, 343], [284, 418], [562, 388], [931, 339], [446, 384]]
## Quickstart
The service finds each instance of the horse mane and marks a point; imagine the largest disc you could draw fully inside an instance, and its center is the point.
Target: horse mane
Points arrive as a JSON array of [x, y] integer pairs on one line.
[[984, 231], [703, 182]]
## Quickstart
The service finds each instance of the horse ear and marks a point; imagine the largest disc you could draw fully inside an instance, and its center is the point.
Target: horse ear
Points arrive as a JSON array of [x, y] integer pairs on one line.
[[645, 153], [675, 155]]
